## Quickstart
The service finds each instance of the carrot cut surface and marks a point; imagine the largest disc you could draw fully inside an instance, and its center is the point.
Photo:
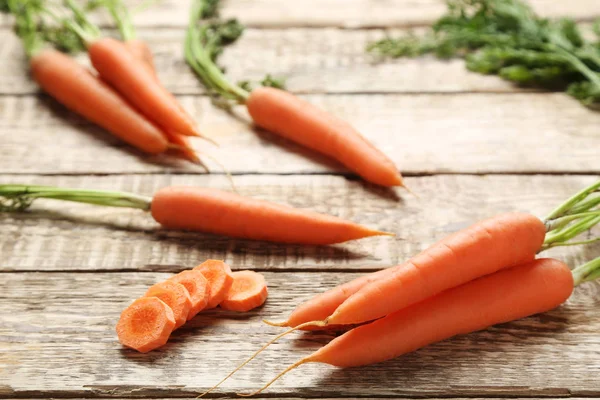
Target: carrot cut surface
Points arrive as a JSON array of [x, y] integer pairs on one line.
[[219, 277], [248, 291], [176, 296], [197, 286], [146, 324]]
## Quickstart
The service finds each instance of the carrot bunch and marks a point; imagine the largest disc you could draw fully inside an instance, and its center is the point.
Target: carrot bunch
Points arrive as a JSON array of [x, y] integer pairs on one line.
[[148, 322], [277, 110], [123, 95], [481, 276]]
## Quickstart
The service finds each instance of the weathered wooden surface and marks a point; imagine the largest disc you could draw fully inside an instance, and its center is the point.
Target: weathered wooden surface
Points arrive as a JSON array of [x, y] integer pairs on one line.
[[425, 133], [57, 336], [64, 236]]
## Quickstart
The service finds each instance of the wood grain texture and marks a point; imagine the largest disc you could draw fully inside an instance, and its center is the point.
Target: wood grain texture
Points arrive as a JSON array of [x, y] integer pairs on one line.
[[57, 340], [336, 13], [311, 60], [62, 236], [471, 133]]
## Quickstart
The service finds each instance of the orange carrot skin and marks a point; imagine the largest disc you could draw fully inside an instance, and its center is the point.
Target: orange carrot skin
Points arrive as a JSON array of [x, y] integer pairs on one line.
[[295, 119], [226, 213], [140, 50], [510, 294], [131, 78], [76, 88], [500, 242]]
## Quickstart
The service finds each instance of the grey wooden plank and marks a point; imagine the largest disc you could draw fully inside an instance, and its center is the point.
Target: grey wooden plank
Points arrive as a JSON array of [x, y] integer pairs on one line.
[[72, 237], [422, 134], [57, 340]]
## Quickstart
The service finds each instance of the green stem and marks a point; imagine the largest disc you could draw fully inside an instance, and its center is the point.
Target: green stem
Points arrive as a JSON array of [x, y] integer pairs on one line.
[[122, 18], [585, 206], [25, 194], [578, 243], [573, 201], [578, 65], [561, 222], [82, 26], [587, 272], [572, 231]]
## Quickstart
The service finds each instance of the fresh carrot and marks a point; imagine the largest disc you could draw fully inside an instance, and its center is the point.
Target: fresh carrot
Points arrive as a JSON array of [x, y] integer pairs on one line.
[[248, 291], [198, 288], [225, 213], [281, 112], [208, 210], [76, 88], [174, 295], [534, 287], [146, 324], [219, 277], [140, 50]]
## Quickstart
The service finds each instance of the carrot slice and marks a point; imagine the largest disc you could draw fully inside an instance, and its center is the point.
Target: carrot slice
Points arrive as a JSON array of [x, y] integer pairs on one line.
[[176, 296], [219, 279], [248, 291], [197, 286], [146, 324]]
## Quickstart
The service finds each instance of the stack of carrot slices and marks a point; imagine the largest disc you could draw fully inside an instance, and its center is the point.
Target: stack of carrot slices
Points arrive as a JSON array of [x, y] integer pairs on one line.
[[149, 321]]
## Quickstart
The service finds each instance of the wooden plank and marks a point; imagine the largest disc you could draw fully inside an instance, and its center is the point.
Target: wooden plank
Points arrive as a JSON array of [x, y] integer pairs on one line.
[[336, 13], [423, 134], [57, 340], [311, 60], [68, 237]]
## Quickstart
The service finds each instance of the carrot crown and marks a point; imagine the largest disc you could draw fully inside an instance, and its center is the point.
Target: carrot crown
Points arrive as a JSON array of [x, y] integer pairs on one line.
[[122, 18]]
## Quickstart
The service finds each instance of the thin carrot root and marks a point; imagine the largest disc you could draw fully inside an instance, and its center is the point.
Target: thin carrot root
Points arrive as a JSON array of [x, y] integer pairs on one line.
[[279, 375], [409, 191], [277, 324], [270, 342], [226, 171]]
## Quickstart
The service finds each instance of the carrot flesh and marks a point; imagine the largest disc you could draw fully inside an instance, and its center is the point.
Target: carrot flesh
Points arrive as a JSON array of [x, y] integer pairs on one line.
[[131, 78], [219, 277], [140, 50], [507, 295], [174, 295], [197, 286], [146, 324], [225, 213], [500, 242], [75, 87], [295, 119], [248, 291]]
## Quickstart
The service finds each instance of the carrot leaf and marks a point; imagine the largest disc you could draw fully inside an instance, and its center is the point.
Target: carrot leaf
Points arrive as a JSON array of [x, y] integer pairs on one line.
[[587, 272]]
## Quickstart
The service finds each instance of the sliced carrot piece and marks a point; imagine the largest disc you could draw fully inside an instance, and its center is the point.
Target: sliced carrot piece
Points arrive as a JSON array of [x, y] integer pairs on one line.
[[248, 291], [218, 275], [146, 324], [198, 288], [176, 296]]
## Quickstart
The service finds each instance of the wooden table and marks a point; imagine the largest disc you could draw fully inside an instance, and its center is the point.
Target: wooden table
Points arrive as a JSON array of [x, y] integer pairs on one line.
[[471, 146]]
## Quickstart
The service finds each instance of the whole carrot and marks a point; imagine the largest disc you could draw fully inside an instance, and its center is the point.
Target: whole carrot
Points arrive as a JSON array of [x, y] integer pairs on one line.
[[207, 210]]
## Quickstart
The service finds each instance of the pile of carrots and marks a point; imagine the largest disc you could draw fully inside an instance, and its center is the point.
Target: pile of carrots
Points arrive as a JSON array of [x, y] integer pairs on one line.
[[148, 322]]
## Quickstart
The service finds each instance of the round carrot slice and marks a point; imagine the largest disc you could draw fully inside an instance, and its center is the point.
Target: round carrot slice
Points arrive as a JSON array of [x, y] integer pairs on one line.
[[176, 296], [248, 291], [146, 324], [218, 275], [197, 286]]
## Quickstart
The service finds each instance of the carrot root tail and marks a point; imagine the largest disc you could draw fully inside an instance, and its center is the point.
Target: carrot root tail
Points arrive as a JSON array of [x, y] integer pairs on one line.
[[281, 324], [282, 373]]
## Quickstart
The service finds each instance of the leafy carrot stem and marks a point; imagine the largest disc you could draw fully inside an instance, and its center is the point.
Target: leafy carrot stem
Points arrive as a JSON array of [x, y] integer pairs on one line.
[[587, 272], [573, 201], [122, 18]]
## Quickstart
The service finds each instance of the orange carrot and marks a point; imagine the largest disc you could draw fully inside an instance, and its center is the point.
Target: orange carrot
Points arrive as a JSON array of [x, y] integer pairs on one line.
[[219, 277], [511, 294], [225, 213], [248, 291], [76, 88], [295, 119], [175, 296], [140, 50], [146, 324], [197, 286], [131, 78]]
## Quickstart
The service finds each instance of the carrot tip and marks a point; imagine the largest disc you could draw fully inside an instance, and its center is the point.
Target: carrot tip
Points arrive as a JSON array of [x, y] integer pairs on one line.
[[409, 191], [278, 324], [172, 146], [381, 233]]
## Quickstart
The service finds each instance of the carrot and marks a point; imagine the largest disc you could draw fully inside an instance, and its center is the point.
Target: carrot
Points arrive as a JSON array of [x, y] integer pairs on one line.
[[197, 286], [175, 296], [146, 324], [225, 213], [76, 88], [208, 210], [534, 287], [248, 291], [278, 111], [219, 277], [140, 50]]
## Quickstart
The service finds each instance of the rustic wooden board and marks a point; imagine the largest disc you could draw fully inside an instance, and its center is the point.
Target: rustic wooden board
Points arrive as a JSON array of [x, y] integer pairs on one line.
[[57, 340], [338, 13], [470, 133], [311, 60], [70, 237]]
